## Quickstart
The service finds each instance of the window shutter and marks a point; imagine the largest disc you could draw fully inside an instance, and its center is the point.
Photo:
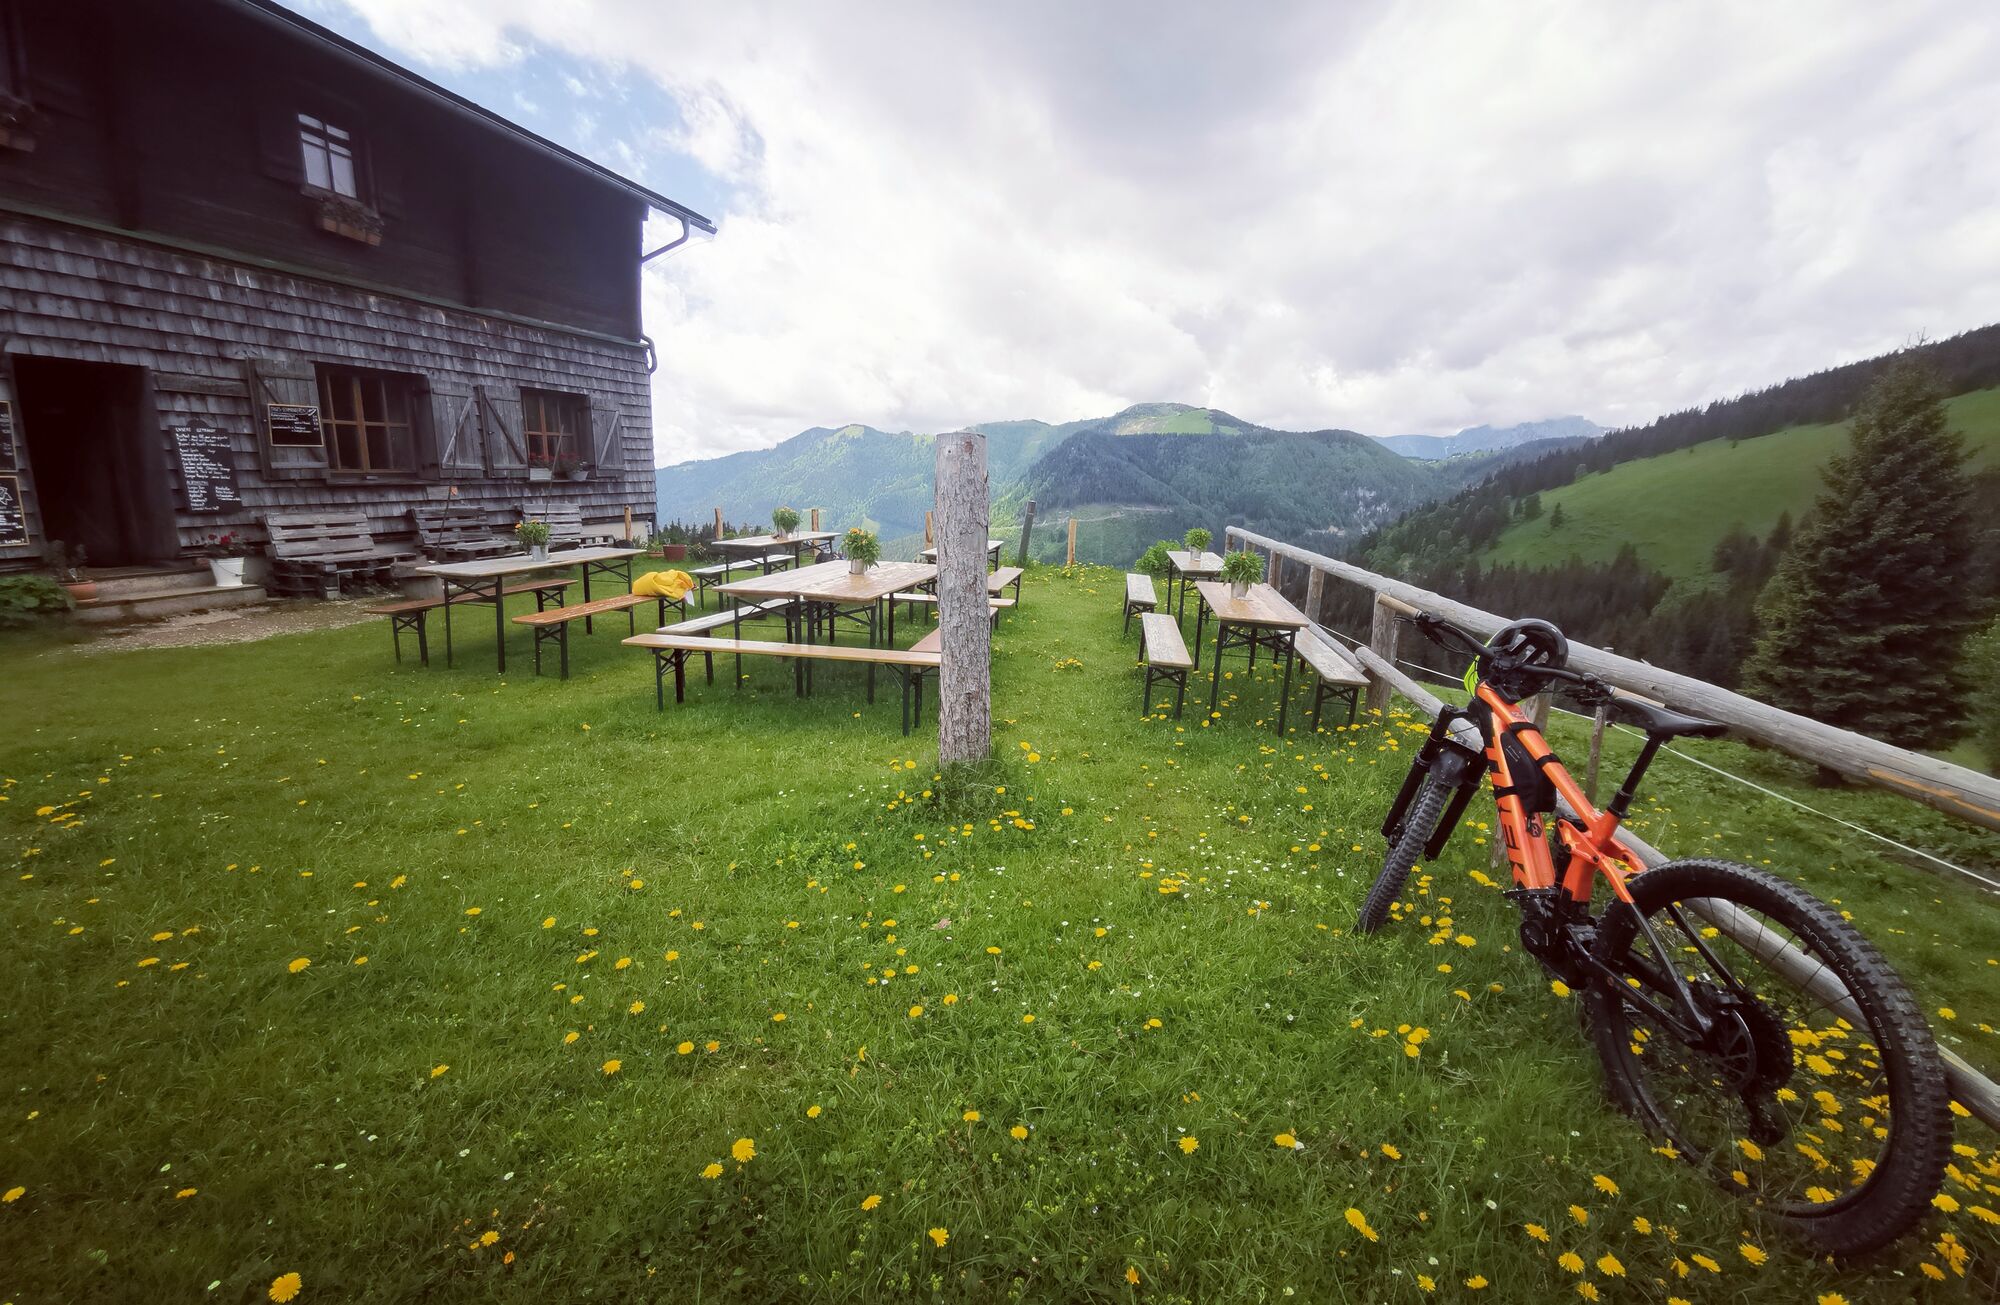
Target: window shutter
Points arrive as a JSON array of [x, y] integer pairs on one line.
[[384, 193], [455, 431], [278, 142], [500, 419], [607, 430], [291, 383]]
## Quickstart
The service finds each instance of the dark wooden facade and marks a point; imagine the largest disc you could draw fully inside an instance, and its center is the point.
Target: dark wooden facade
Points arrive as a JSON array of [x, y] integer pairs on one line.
[[173, 249]]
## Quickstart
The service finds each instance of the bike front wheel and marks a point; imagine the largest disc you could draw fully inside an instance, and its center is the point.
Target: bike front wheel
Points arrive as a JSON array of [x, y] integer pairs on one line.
[[1809, 1084], [1426, 809]]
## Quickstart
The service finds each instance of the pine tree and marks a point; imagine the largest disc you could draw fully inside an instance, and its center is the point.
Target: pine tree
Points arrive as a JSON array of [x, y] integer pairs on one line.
[[1556, 518], [1864, 623]]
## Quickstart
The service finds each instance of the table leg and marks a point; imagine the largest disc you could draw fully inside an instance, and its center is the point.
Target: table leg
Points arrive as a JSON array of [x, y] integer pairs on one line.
[[1215, 671], [586, 594], [499, 624], [1200, 624], [447, 623], [1285, 691]]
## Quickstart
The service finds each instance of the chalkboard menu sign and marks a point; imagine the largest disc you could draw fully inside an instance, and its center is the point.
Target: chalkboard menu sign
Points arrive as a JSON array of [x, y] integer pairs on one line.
[[8, 457], [294, 424], [208, 468], [13, 517]]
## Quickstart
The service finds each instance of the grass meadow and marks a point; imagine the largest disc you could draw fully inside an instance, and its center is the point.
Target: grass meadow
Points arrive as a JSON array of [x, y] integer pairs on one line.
[[434, 984]]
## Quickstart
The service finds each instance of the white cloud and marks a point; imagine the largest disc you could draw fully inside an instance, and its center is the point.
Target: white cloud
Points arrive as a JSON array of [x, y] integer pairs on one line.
[[1385, 217]]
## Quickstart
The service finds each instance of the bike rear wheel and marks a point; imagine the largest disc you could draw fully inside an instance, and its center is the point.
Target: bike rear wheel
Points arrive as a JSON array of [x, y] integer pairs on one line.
[[1816, 1093], [1426, 808]]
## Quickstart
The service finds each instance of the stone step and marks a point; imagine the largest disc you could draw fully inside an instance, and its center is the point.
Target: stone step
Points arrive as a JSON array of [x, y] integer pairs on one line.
[[150, 582], [159, 605]]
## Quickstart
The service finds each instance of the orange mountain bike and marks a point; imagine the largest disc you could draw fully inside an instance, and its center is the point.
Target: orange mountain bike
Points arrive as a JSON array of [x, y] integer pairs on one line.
[[1738, 1017]]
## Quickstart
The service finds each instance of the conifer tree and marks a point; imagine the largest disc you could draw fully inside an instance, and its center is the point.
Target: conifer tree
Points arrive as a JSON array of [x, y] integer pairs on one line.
[[1865, 622]]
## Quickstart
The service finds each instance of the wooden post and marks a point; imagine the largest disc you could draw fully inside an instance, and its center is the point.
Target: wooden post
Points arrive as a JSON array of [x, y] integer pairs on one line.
[[628, 523], [1315, 590], [965, 683], [1071, 559], [815, 524], [930, 539], [718, 523], [1383, 632], [1027, 525], [1275, 572], [1596, 752]]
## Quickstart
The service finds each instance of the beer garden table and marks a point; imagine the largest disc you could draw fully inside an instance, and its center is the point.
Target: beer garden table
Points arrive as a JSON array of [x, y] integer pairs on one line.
[[1189, 567], [993, 547], [796, 541], [1263, 618], [481, 580], [830, 590]]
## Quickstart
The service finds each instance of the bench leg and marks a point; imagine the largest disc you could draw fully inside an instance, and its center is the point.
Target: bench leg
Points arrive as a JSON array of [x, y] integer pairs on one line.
[[396, 637], [1180, 693], [659, 680], [708, 665], [423, 640]]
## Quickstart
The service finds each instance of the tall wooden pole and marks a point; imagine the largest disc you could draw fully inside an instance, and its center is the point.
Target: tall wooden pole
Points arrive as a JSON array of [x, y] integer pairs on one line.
[[930, 536], [718, 523], [1383, 632], [1315, 584], [965, 680], [1027, 526], [1071, 559], [815, 524]]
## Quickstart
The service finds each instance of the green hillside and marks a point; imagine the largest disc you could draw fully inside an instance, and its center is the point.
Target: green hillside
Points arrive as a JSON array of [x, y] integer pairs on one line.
[[1674, 507]]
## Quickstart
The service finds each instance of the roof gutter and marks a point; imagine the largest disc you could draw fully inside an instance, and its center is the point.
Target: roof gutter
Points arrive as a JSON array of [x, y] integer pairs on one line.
[[271, 12]]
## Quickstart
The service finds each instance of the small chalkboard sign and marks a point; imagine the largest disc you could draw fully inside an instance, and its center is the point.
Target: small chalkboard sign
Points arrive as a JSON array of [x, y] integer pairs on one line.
[[208, 468], [13, 516], [294, 424], [8, 457]]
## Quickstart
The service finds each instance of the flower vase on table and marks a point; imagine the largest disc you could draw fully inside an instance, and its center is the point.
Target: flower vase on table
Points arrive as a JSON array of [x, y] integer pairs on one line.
[[538, 552]]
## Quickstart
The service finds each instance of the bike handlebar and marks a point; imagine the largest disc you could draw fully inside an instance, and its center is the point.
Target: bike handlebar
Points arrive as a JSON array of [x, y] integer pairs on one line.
[[1436, 629]]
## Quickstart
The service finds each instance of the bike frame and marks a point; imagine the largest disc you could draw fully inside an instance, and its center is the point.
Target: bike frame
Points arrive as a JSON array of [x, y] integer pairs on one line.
[[1594, 848]]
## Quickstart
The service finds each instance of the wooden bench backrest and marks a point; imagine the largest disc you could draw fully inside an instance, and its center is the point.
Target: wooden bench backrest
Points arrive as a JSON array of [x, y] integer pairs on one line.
[[450, 525], [331, 533]]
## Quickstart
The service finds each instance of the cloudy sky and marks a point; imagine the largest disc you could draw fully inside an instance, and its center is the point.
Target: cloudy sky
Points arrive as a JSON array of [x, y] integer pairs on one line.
[[1387, 217]]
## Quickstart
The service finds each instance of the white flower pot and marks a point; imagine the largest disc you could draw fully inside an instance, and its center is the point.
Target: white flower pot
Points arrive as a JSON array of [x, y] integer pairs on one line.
[[538, 552], [226, 571], [857, 566], [1239, 588]]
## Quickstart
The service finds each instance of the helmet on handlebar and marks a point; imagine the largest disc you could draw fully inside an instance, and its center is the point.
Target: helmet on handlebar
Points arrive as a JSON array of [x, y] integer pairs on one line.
[[1523, 646]]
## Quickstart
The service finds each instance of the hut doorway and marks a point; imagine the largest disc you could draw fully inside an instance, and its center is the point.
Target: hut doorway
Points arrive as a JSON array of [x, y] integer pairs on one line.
[[96, 453]]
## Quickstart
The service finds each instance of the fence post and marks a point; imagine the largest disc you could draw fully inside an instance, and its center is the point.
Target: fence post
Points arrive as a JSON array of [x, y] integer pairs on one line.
[[1277, 570], [815, 519], [628, 523], [718, 523], [1315, 591], [1383, 631], [1027, 526], [965, 709], [1597, 720], [930, 538], [1071, 559]]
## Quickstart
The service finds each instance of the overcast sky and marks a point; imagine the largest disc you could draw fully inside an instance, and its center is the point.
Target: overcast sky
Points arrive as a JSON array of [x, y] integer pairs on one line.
[[1387, 217]]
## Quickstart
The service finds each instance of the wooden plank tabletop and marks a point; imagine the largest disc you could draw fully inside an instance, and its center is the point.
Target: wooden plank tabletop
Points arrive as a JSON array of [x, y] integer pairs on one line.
[[930, 554], [764, 543], [488, 568], [1188, 563], [833, 582], [1263, 605]]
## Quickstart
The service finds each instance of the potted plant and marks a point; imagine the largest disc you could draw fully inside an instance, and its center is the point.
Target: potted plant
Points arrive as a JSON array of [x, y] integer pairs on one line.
[[1197, 540], [1242, 569], [565, 467], [1154, 561], [540, 466], [786, 520], [226, 553], [535, 535], [863, 549], [72, 570]]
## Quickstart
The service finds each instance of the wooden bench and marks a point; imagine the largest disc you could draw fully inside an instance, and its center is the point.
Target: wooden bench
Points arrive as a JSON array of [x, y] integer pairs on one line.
[[454, 534], [412, 613], [552, 624], [565, 522], [1339, 674], [314, 552], [916, 598], [910, 665], [1166, 655], [734, 618], [1139, 596], [1001, 579]]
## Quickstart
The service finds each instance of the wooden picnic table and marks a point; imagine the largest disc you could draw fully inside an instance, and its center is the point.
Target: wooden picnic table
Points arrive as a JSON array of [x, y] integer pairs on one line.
[[1262, 618], [829, 590], [993, 547], [1187, 568], [481, 580], [797, 540]]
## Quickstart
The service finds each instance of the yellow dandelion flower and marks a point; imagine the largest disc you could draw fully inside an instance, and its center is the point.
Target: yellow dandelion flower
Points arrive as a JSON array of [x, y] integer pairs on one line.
[[777, 1017], [1754, 1254], [812, 1112], [939, 1236], [437, 1071], [1285, 1140], [1570, 1260], [970, 1116], [1604, 1184], [570, 1037], [613, 1066], [1359, 1222], [185, 1193], [744, 1150], [1537, 1232], [1018, 1133], [285, 1286], [684, 1048], [916, 1012], [1707, 1263], [1027, 1019], [870, 1201], [1477, 1282], [299, 964], [1189, 1145], [951, 999], [1831, 1298], [1131, 1270], [1578, 1213], [1587, 1290], [711, 1170], [1608, 1265], [635, 1008], [472, 910], [1391, 1152]]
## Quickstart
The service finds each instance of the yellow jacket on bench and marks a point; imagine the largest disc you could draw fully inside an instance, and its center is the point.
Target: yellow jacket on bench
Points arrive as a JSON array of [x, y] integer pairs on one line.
[[664, 584]]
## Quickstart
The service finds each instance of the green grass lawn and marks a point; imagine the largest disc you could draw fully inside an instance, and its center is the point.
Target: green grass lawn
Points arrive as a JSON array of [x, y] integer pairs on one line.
[[1675, 507], [436, 984]]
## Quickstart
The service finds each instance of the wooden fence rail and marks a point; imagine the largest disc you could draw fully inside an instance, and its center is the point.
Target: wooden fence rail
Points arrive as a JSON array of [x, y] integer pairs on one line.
[[1954, 790]]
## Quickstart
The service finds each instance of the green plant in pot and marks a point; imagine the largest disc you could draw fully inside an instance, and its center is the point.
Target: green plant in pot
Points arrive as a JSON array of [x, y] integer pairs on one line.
[[786, 520], [1242, 569], [863, 549], [534, 536], [1197, 540], [1154, 561]]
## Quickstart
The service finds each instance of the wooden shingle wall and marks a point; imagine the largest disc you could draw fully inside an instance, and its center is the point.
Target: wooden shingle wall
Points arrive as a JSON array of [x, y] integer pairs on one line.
[[202, 325]]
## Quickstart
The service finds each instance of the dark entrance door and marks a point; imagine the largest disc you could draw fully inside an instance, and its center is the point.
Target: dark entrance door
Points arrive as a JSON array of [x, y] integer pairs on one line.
[[95, 450]]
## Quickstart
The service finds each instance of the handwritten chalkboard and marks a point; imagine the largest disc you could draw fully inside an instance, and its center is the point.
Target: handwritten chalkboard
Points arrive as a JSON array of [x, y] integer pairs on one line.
[[13, 517], [208, 468], [294, 424], [8, 457]]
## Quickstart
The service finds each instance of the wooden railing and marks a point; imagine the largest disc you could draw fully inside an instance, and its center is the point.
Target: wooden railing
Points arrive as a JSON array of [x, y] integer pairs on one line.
[[1951, 789]]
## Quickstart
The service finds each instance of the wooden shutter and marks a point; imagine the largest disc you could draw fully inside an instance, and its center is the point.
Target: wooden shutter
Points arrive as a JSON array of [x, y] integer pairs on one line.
[[607, 433], [278, 151], [455, 431], [500, 420], [292, 383]]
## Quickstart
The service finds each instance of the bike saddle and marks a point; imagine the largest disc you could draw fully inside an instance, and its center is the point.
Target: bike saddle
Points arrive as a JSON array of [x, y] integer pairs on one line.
[[1665, 723]]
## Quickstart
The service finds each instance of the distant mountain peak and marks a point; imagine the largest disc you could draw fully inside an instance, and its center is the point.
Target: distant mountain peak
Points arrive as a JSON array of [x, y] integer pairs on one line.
[[1486, 439]]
